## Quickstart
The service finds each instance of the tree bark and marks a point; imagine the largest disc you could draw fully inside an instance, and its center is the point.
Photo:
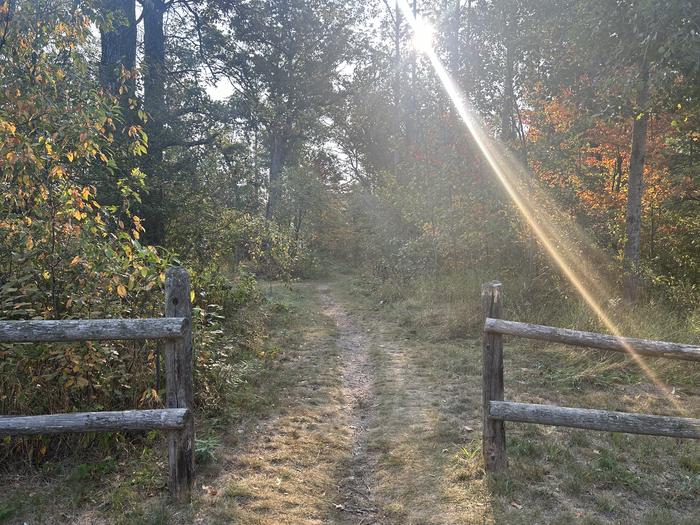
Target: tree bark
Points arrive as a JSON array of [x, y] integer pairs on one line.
[[160, 419], [603, 420], [507, 108], [635, 189], [493, 440], [453, 38], [397, 84], [117, 79], [91, 330], [608, 342], [154, 106], [118, 50], [411, 116]]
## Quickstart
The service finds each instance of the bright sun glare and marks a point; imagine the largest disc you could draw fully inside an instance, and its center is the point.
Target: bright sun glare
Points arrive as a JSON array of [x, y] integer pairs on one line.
[[510, 175], [422, 35]]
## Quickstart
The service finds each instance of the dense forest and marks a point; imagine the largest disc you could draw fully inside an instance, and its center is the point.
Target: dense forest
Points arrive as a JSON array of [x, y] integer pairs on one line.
[[425, 146]]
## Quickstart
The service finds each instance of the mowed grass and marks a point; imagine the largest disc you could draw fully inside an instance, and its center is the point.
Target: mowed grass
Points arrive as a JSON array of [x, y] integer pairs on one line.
[[555, 475]]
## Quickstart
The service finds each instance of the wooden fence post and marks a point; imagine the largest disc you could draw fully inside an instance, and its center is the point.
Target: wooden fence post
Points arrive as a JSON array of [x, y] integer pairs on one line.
[[494, 435], [178, 370]]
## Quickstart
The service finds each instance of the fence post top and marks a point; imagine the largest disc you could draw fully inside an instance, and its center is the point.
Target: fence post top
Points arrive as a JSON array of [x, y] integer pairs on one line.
[[491, 288], [176, 272]]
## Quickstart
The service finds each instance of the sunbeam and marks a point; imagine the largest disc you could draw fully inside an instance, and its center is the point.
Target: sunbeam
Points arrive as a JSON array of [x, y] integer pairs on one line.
[[423, 33], [510, 175]]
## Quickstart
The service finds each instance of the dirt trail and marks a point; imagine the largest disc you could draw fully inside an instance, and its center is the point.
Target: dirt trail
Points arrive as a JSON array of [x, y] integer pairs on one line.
[[357, 503], [366, 432], [408, 407]]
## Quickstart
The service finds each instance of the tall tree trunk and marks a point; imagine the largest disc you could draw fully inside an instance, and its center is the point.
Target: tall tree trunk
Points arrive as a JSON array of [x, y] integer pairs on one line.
[[635, 187], [155, 106], [507, 108], [412, 117], [118, 51], [117, 79], [453, 38], [276, 163], [397, 84]]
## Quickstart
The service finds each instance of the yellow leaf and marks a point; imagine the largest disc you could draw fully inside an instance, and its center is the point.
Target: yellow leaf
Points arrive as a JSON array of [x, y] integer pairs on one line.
[[121, 291], [70, 156], [162, 277], [86, 193], [30, 243], [8, 126], [49, 148], [191, 296], [75, 260]]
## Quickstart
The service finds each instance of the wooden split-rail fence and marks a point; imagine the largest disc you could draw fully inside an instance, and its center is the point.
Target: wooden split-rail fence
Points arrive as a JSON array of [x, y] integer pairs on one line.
[[496, 411], [177, 419]]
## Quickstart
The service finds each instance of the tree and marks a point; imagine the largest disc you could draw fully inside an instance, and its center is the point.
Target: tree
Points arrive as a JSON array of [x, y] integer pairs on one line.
[[284, 57]]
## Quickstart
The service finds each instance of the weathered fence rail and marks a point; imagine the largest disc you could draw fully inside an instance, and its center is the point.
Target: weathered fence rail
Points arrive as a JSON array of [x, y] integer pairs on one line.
[[594, 340], [496, 411], [177, 419], [605, 420], [160, 419], [92, 330]]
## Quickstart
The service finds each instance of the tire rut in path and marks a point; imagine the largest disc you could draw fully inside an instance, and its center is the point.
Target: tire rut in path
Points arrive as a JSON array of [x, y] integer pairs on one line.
[[357, 502]]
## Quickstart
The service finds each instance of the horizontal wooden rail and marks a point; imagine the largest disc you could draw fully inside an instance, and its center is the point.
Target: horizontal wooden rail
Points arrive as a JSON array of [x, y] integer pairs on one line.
[[93, 330], [161, 419], [595, 419], [594, 340]]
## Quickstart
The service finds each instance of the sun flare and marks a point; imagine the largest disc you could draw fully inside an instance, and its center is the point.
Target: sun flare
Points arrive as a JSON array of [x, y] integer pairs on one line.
[[423, 33], [532, 208]]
